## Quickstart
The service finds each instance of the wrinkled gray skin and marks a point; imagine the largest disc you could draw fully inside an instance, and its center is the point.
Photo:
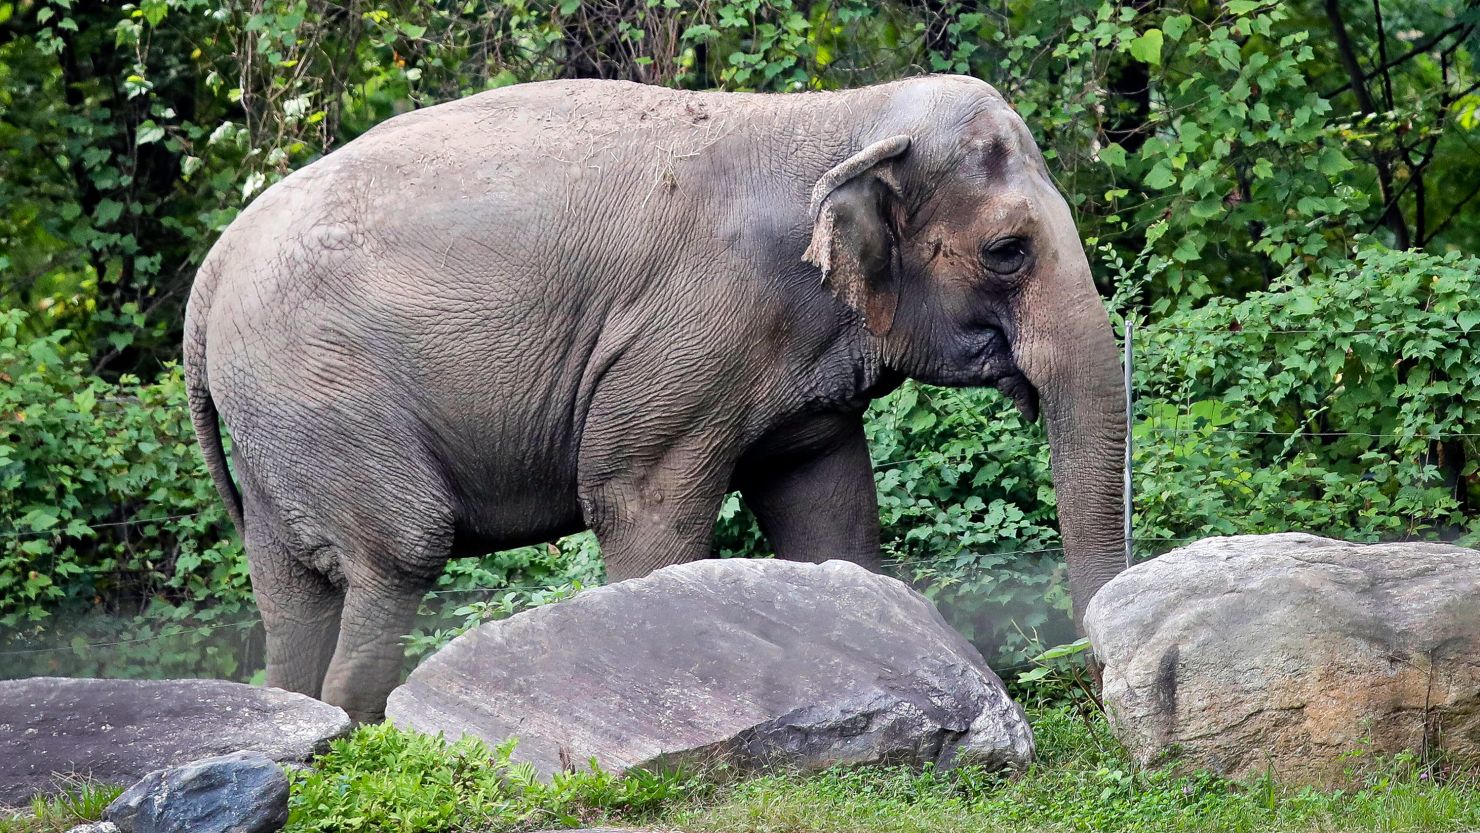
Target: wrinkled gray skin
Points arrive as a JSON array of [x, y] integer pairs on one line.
[[598, 304]]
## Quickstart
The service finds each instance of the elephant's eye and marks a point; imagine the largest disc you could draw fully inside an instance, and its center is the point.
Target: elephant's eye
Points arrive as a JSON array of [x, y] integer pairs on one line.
[[1005, 256]]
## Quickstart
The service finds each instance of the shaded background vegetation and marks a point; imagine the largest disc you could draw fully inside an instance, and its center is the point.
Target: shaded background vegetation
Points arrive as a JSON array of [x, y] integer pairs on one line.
[[1284, 197]]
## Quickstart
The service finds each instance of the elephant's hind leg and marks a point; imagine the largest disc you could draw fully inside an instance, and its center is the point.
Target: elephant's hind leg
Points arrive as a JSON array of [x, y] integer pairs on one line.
[[386, 575], [300, 607]]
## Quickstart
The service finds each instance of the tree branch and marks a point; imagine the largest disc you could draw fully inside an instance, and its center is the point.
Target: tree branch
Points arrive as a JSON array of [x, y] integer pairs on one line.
[[1462, 28], [1454, 212], [1392, 215], [1382, 56]]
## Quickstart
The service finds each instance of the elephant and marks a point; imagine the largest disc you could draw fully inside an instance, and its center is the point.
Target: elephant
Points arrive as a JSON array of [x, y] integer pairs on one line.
[[581, 304]]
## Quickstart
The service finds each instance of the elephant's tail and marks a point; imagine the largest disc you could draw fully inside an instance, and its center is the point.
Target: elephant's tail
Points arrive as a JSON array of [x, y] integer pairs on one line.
[[203, 413]]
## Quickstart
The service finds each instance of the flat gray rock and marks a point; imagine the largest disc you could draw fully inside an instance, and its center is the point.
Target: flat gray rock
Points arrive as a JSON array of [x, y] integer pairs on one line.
[[749, 664], [1287, 653], [117, 731], [244, 792]]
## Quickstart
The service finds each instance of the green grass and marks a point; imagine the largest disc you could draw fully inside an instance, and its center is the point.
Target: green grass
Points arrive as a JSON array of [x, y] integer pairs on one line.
[[382, 779], [1082, 782], [79, 802]]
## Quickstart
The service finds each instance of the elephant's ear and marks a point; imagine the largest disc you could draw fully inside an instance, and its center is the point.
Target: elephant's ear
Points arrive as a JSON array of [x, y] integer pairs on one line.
[[853, 235]]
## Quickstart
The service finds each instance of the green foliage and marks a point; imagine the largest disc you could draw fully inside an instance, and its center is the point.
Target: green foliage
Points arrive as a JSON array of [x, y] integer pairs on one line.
[[135, 132], [1081, 782], [386, 779], [968, 510], [1339, 403], [80, 801], [112, 522]]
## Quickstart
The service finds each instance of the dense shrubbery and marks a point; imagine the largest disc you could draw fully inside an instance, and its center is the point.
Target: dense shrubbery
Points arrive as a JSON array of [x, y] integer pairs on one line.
[[109, 520], [1235, 183], [1342, 403]]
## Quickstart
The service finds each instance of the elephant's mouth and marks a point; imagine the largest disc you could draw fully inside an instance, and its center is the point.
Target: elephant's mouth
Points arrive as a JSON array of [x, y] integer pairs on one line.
[[1002, 373], [1022, 393]]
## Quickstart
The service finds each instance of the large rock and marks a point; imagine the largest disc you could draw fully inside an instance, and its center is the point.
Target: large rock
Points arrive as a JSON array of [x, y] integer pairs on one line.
[[1287, 653], [738, 662], [116, 731], [244, 792]]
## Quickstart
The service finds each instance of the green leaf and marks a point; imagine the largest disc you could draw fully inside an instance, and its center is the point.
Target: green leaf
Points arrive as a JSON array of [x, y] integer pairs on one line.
[[149, 132], [1207, 208], [1333, 162], [40, 519], [1113, 155], [1034, 675], [1176, 25], [1078, 646], [411, 30], [107, 211], [1146, 48], [1160, 176], [155, 11]]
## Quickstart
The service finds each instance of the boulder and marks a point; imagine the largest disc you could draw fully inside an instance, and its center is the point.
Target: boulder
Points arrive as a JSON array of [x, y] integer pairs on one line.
[[96, 827], [116, 731], [1289, 653], [743, 663], [244, 792]]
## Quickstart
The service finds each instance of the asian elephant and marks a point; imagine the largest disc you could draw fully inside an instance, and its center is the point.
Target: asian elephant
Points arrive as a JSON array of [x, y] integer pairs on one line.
[[593, 304]]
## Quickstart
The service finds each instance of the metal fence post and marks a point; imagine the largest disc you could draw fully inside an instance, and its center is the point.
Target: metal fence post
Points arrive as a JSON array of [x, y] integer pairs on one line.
[[1130, 329]]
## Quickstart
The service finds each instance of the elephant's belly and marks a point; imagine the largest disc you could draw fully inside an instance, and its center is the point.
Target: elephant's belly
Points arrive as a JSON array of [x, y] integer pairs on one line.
[[503, 509]]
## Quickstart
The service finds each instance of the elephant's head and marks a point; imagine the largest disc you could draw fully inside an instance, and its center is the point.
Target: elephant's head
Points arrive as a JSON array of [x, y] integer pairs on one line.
[[947, 236]]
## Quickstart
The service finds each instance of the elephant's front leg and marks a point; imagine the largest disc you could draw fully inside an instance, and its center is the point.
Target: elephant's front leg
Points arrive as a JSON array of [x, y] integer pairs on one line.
[[653, 507], [821, 504]]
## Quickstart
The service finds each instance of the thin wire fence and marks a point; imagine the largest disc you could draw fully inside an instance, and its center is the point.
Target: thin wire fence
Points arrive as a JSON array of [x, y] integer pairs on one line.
[[1139, 336], [167, 633]]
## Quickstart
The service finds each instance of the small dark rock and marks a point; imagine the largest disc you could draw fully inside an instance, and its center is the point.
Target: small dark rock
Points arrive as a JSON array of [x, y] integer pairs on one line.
[[244, 792]]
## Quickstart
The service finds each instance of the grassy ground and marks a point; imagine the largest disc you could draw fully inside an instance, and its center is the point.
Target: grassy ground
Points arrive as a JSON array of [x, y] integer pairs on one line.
[[385, 780], [1082, 782]]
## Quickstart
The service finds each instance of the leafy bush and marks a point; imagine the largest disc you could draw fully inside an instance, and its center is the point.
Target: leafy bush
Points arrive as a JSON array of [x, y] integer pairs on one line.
[[1340, 403], [387, 779], [112, 524], [968, 510]]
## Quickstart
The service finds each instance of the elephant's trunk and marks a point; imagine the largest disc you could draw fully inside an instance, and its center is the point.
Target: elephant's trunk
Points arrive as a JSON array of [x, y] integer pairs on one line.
[[1077, 372]]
